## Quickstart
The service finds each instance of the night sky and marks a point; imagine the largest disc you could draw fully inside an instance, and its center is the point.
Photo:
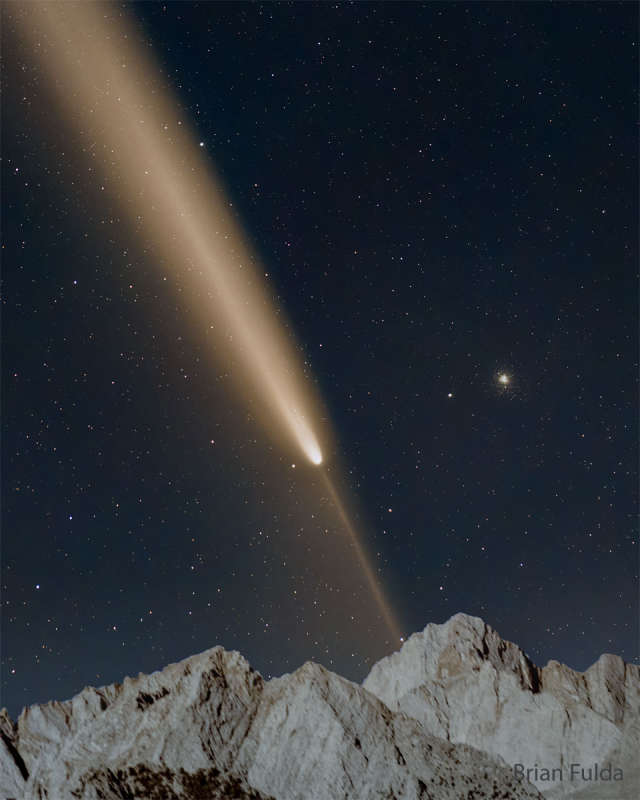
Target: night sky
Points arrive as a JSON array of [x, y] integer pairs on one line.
[[441, 194]]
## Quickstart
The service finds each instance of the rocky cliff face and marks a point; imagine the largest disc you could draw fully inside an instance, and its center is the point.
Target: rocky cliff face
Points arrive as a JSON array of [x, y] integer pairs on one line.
[[463, 683], [211, 727]]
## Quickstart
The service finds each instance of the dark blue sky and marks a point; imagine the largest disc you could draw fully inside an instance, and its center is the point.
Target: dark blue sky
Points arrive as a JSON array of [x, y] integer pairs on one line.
[[440, 193]]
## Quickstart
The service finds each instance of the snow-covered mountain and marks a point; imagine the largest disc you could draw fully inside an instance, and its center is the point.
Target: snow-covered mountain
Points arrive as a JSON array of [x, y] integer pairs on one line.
[[446, 717]]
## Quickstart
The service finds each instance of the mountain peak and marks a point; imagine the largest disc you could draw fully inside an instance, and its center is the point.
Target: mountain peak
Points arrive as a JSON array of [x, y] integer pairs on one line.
[[466, 684]]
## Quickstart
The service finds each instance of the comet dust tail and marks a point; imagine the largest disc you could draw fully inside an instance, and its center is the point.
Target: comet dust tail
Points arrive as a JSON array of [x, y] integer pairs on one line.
[[167, 188], [134, 133]]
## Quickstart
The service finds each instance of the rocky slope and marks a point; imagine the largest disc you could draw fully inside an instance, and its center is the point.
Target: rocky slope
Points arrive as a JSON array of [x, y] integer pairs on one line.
[[211, 727], [463, 683]]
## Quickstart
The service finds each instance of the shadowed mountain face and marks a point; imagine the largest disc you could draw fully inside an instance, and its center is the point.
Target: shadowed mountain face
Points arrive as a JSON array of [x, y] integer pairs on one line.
[[456, 713]]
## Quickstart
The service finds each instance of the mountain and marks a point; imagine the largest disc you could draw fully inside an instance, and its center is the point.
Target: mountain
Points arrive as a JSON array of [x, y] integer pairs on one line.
[[446, 717], [465, 684]]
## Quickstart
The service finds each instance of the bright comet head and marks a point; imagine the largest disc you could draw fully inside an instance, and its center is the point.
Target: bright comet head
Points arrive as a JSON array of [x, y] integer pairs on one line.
[[304, 435], [316, 456]]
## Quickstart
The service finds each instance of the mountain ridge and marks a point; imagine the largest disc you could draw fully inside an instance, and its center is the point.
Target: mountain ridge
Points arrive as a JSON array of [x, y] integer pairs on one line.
[[440, 718]]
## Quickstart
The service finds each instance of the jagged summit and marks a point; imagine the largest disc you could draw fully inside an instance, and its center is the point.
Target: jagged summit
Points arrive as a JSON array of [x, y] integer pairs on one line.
[[451, 648], [450, 715], [465, 684]]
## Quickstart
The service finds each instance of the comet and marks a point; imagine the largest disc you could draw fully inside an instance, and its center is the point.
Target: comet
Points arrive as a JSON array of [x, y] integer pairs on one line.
[[167, 186], [156, 169]]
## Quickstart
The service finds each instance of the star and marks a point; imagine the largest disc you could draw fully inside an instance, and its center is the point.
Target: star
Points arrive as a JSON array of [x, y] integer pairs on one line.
[[504, 379]]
